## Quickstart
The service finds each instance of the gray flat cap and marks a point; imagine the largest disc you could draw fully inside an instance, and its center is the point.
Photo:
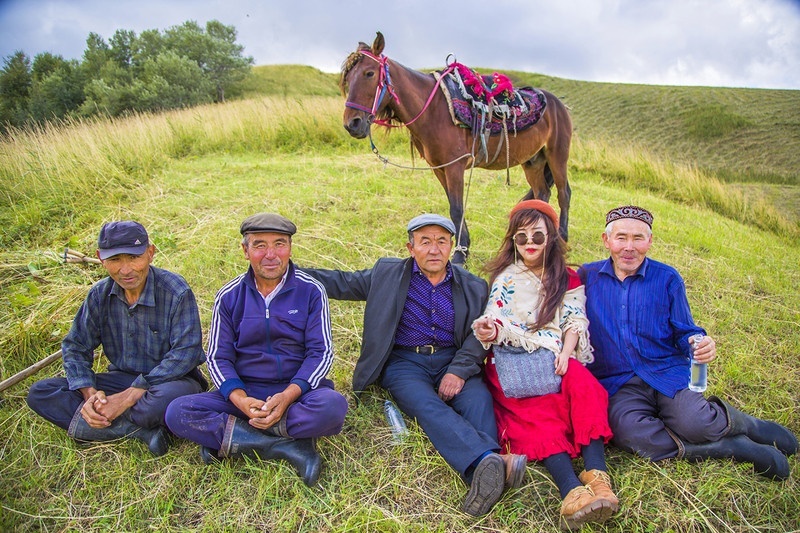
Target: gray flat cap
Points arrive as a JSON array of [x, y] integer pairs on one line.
[[268, 222], [429, 219]]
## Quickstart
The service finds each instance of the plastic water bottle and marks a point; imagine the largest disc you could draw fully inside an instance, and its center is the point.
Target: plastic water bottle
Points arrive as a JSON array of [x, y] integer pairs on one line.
[[698, 380], [395, 420]]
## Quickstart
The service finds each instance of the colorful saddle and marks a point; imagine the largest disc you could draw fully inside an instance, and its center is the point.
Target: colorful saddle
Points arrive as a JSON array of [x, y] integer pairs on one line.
[[472, 98]]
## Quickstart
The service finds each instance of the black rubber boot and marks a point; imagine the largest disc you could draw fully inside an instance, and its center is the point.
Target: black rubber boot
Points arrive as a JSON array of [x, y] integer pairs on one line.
[[766, 460], [157, 440], [208, 455], [243, 439], [757, 430]]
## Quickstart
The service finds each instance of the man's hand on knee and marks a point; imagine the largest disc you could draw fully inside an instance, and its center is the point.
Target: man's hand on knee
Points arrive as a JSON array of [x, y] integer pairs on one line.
[[450, 386], [89, 412], [111, 407], [275, 406]]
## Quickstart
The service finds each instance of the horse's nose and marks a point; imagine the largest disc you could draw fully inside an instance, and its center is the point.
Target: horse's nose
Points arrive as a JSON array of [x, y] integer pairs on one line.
[[356, 127]]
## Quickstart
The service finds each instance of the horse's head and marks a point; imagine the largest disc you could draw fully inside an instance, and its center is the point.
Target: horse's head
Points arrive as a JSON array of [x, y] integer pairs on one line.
[[364, 82]]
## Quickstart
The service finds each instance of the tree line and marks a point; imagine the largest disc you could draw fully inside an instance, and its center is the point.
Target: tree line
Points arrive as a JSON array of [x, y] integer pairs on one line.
[[182, 66]]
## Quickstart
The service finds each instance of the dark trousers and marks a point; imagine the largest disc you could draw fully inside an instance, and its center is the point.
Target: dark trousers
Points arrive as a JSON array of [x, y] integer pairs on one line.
[[461, 429], [52, 399], [639, 416], [201, 418]]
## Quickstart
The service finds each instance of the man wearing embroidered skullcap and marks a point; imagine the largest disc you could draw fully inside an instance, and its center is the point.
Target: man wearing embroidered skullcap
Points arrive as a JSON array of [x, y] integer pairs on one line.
[[641, 329], [418, 344], [269, 351], [147, 321]]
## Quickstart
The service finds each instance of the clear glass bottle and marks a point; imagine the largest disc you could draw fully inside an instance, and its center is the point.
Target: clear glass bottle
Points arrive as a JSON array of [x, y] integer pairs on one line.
[[698, 378], [395, 420]]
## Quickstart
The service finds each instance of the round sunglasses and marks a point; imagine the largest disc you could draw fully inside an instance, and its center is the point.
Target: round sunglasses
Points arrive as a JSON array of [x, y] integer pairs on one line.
[[521, 238]]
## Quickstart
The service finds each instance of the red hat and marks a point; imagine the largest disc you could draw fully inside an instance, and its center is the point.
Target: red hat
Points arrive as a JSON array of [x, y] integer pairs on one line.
[[538, 205]]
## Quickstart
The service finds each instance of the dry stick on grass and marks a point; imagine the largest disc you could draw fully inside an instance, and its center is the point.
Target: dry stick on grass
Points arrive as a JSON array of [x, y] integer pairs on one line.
[[71, 256], [34, 368]]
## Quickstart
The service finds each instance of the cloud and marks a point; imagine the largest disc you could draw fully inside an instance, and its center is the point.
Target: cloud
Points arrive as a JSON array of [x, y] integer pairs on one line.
[[752, 43]]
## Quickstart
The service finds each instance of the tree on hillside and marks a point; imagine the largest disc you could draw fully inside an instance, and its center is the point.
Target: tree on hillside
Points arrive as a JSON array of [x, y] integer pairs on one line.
[[215, 51], [15, 87], [186, 65], [121, 48], [57, 88], [95, 56]]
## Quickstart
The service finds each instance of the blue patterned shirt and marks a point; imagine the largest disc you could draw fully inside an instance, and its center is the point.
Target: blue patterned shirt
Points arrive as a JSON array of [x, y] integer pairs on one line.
[[639, 326], [159, 337], [428, 316]]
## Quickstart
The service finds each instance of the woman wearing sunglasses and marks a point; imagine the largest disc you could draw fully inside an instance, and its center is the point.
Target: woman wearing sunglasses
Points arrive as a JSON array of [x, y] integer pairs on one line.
[[547, 405]]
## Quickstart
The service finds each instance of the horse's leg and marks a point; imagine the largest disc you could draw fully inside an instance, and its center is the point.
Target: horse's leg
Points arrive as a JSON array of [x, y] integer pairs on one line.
[[452, 180], [539, 177], [558, 163]]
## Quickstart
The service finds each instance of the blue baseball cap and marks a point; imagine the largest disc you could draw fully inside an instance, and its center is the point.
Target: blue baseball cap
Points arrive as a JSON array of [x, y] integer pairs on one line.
[[122, 237], [429, 219]]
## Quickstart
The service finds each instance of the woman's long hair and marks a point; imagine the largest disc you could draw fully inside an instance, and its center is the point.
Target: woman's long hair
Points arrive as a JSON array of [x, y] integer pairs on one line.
[[555, 278]]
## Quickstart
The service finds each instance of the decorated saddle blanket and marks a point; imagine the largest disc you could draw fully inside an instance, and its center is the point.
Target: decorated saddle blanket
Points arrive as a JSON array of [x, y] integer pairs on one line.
[[472, 98]]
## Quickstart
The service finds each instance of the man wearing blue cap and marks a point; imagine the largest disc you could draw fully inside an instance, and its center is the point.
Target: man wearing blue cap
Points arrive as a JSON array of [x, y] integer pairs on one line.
[[147, 321], [419, 345]]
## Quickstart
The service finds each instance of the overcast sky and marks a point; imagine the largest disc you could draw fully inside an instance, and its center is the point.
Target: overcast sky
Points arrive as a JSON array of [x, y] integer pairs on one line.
[[734, 43]]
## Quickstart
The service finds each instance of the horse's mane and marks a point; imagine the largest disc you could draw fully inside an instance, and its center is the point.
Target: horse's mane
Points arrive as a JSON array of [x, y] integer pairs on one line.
[[349, 64]]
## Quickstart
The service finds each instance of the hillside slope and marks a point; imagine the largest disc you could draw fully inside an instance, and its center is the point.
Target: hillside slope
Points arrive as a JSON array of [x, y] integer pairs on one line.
[[740, 135]]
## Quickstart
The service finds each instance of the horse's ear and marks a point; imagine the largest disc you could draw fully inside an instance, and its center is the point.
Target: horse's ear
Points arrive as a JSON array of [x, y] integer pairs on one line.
[[377, 46]]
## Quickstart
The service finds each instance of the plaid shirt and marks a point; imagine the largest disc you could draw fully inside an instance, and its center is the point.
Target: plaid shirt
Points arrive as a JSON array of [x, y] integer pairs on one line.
[[159, 337]]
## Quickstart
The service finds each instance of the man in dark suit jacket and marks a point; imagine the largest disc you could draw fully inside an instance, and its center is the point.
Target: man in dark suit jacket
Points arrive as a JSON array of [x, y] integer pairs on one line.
[[419, 345]]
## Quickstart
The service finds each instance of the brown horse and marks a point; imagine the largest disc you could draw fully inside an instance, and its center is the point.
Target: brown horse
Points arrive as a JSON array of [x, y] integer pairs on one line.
[[376, 86]]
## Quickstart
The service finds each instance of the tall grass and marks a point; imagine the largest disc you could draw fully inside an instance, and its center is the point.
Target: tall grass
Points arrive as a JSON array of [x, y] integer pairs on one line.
[[57, 173], [633, 166]]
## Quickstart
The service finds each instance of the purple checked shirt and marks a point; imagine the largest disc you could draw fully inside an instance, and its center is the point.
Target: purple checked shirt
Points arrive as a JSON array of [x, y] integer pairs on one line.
[[428, 316]]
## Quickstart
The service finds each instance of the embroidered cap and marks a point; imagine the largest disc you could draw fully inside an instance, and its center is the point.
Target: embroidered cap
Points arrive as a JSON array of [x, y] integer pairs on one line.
[[268, 223], [429, 219], [538, 205], [630, 211], [122, 237]]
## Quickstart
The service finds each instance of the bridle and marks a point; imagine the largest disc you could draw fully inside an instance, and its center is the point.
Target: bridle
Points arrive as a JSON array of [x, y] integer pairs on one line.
[[385, 86]]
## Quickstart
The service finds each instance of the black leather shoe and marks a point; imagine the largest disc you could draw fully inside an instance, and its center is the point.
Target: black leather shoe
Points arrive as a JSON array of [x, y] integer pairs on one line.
[[488, 481]]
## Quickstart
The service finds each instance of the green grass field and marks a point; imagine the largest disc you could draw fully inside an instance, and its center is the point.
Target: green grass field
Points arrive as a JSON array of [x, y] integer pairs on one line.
[[192, 176]]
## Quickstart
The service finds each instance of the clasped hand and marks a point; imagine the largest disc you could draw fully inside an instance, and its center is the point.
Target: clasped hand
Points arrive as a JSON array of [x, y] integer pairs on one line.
[[100, 410], [265, 413]]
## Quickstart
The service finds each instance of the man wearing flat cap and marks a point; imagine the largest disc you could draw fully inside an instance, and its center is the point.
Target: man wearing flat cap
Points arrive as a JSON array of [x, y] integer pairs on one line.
[[641, 329], [419, 345], [147, 321], [269, 351]]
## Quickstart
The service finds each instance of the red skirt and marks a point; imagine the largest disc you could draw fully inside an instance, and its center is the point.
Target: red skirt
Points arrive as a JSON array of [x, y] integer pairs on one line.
[[564, 421]]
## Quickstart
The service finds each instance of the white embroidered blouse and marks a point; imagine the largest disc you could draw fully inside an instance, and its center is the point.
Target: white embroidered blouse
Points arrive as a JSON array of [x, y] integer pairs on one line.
[[513, 306]]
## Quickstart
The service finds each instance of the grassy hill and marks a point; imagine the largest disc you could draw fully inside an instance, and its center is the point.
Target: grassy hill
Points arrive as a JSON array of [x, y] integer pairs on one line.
[[191, 176]]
